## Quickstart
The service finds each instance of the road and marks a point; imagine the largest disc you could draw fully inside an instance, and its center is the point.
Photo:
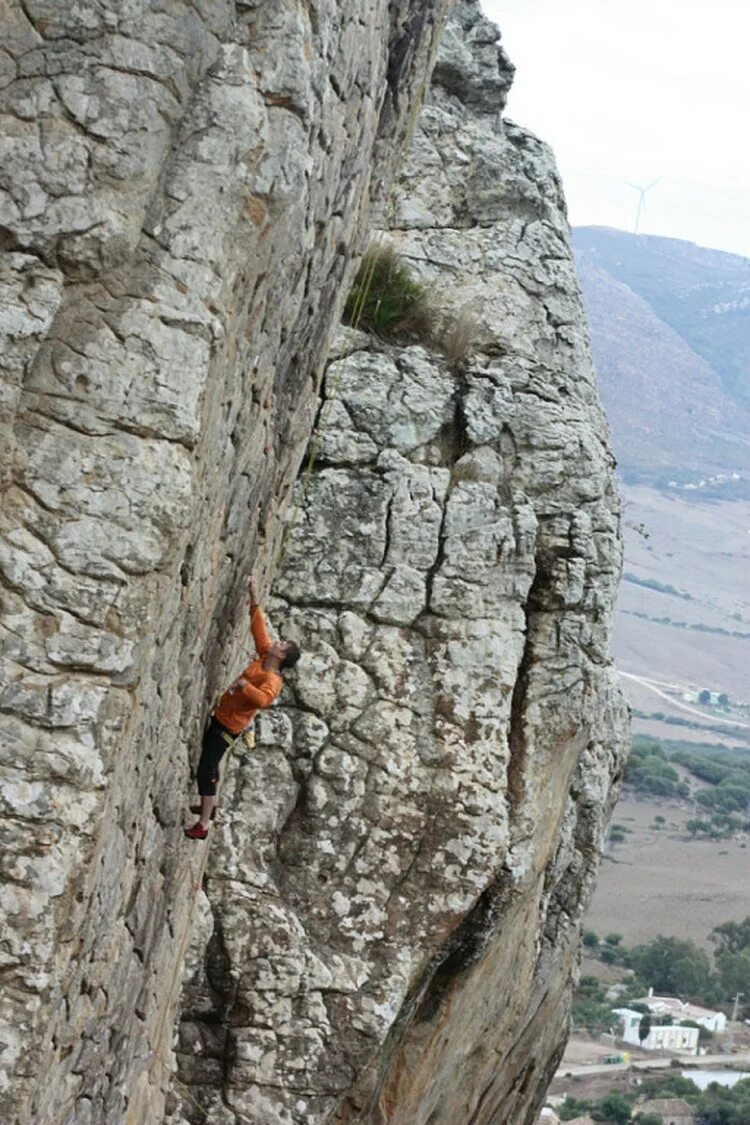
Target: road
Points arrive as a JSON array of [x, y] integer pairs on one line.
[[731, 1062], [651, 685]]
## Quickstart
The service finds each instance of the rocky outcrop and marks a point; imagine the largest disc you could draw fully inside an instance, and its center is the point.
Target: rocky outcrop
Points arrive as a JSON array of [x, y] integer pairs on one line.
[[397, 886], [183, 187]]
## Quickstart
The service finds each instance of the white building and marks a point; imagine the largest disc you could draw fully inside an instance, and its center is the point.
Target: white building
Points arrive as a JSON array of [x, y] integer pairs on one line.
[[681, 1010], [661, 1037]]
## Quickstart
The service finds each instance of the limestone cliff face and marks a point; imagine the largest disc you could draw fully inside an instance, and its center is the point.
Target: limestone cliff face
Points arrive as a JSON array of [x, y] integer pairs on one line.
[[397, 882], [183, 186]]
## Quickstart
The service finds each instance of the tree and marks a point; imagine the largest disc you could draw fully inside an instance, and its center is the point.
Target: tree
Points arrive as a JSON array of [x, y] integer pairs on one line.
[[613, 939], [648, 1119], [590, 939], [731, 936], [720, 1105], [704, 1035], [723, 699], [734, 972], [704, 696], [573, 1107], [615, 1108], [671, 965], [644, 1027], [592, 1014], [591, 988]]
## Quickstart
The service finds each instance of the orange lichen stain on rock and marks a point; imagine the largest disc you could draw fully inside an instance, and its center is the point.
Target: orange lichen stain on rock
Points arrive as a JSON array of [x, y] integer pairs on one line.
[[256, 210]]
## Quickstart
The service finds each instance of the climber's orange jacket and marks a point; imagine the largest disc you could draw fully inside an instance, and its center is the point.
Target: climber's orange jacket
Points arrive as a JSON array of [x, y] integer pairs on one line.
[[255, 688]]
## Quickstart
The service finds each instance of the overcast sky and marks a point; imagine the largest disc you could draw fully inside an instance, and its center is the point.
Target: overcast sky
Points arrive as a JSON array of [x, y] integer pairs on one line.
[[640, 90]]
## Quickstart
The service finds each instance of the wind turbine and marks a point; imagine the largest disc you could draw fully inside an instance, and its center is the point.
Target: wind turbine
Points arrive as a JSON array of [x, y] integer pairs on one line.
[[641, 200]]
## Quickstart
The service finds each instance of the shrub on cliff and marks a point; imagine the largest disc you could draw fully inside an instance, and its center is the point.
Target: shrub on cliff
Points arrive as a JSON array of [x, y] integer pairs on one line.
[[387, 300]]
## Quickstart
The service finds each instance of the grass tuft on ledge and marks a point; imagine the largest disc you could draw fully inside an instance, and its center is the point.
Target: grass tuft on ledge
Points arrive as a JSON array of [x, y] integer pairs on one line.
[[387, 301]]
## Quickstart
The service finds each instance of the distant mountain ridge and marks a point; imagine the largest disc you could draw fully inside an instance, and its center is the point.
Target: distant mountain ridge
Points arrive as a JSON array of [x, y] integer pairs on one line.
[[670, 327]]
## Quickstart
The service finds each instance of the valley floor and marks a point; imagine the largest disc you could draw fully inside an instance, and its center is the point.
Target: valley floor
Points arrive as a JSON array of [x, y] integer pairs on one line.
[[659, 881], [683, 616]]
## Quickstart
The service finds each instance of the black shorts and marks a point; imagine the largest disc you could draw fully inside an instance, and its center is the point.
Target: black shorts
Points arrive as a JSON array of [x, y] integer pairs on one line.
[[216, 742]]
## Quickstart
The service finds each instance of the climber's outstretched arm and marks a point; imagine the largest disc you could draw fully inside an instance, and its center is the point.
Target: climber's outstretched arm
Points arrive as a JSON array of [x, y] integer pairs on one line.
[[257, 621]]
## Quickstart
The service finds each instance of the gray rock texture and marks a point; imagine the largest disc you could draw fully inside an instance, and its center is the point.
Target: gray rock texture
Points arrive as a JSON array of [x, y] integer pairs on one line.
[[397, 883], [183, 191]]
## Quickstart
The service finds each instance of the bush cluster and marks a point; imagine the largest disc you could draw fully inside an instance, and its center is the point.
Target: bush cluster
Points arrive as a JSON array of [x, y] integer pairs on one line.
[[718, 1105], [671, 966], [648, 771], [388, 301]]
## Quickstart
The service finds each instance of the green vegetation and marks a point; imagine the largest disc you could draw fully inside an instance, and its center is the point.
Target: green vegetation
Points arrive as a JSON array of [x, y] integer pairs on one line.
[[672, 966], [590, 1007], [697, 626], [719, 827], [722, 1106], [739, 733], [573, 1107], [644, 1027], [594, 1015], [732, 957], [725, 773], [718, 1105], [387, 300], [613, 1108], [704, 1035], [648, 771], [652, 584]]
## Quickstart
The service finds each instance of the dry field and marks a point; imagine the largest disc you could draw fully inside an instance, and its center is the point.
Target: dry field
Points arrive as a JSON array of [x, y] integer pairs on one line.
[[703, 550], [661, 882]]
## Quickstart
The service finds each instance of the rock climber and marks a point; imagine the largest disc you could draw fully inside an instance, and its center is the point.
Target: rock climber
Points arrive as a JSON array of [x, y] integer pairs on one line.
[[255, 689]]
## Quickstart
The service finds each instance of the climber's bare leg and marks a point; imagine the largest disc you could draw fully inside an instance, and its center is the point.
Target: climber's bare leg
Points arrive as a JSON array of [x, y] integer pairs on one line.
[[208, 804]]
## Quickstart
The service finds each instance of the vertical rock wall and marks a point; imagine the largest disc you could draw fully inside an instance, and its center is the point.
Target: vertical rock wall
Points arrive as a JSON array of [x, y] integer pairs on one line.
[[398, 879], [182, 188]]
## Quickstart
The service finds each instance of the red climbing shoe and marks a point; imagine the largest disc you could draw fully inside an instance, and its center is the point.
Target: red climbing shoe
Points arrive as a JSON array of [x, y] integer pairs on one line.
[[197, 832], [198, 810]]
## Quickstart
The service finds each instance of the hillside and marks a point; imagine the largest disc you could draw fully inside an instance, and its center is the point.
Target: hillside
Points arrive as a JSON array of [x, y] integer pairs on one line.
[[670, 329], [670, 325], [683, 618]]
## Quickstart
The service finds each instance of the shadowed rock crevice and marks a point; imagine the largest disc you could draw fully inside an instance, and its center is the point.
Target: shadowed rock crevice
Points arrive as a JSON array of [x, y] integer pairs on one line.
[[517, 730]]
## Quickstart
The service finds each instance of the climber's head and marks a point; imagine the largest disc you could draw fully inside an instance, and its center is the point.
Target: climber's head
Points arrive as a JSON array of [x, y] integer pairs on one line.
[[287, 653]]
